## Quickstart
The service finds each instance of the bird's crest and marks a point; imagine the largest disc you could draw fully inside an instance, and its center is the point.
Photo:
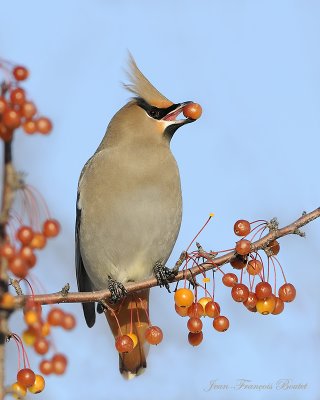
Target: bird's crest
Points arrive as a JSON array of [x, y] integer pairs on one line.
[[141, 87]]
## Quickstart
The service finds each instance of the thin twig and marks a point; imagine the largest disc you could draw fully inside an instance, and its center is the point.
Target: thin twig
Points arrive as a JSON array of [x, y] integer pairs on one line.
[[98, 296]]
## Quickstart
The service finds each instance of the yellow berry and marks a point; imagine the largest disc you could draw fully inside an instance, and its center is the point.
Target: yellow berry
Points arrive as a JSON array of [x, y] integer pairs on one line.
[[134, 338], [19, 391], [266, 306], [31, 317], [204, 301], [7, 301], [28, 337], [38, 385]]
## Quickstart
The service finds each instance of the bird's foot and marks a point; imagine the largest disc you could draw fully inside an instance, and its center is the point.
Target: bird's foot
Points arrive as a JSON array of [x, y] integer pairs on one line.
[[118, 291], [163, 274]]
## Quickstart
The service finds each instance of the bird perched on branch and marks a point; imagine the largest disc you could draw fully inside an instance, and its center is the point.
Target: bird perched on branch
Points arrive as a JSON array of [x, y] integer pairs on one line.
[[129, 211]]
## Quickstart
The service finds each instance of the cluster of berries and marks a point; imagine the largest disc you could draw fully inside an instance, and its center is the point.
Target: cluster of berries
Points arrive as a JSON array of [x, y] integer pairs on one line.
[[262, 296], [16, 110], [125, 343]]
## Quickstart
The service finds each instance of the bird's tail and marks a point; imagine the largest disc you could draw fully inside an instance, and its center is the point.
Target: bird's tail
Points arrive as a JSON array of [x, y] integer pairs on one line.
[[131, 316]]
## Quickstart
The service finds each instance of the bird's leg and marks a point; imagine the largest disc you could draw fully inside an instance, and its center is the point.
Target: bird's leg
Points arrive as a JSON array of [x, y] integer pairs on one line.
[[163, 274], [118, 291]]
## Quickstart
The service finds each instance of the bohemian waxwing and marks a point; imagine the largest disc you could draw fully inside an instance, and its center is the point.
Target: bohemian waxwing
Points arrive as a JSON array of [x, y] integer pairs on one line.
[[129, 209]]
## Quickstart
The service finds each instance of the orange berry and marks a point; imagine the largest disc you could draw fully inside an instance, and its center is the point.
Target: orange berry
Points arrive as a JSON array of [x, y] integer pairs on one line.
[[182, 311], [279, 306], [7, 301], [287, 292], [263, 290], [17, 96], [229, 279], [44, 125], [204, 301], [183, 297], [11, 118], [3, 104], [18, 267], [195, 310], [251, 300], [242, 227], [29, 127], [192, 110], [55, 316], [51, 228], [221, 323], [254, 267], [45, 367], [41, 345], [59, 364], [31, 317], [194, 325], [24, 234], [68, 322], [6, 134], [45, 329], [28, 255], [240, 292], [38, 385], [266, 306], [124, 344], [28, 109], [7, 251], [212, 309], [39, 241], [243, 247]]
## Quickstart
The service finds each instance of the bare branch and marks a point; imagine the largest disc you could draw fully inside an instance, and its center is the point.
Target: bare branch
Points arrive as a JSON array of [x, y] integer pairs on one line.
[[211, 263]]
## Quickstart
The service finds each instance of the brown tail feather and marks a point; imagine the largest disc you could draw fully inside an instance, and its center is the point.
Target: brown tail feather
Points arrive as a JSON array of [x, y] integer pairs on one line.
[[132, 308]]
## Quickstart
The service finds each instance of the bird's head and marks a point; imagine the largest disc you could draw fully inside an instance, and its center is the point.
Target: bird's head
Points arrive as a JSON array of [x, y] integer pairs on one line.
[[149, 116]]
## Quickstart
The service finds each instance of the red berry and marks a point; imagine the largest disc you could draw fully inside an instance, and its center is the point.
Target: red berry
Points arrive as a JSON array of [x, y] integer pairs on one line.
[[41, 345], [195, 338], [45, 367], [124, 344], [279, 306], [28, 255], [192, 110], [221, 323], [3, 105], [44, 125], [242, 227], [20, 73], [55, 316], [238, 262], [263, 290], [11, 118], [6, 133], [59, 364], [18, 267], [229, 279], [26, 377], [29, 127], [243, 247], [51, 228], [7, 251], [240, 292], [68, 322], [25, 234], [195, 310], [17, 96], [154, 335], [28, 109], [251, 300], [194, 325], [287, 292], [274, 247], [254, 267], [212, 309]]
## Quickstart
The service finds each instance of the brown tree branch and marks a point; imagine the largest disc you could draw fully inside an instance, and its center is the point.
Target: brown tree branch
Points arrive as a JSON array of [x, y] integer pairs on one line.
[[83, 297]]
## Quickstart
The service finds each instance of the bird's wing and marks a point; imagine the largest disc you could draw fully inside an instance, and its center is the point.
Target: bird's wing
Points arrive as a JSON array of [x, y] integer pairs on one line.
[[83, 280]]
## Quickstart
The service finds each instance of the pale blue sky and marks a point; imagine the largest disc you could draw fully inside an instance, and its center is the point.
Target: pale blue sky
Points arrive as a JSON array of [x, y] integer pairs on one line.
[[254, 68]]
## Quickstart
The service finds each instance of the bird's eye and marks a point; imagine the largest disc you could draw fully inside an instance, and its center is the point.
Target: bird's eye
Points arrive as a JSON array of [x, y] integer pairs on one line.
[[154, 113]]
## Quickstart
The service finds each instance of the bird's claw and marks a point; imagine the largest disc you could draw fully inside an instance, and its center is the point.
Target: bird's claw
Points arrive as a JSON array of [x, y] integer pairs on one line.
[[163, 274], [118, 291]]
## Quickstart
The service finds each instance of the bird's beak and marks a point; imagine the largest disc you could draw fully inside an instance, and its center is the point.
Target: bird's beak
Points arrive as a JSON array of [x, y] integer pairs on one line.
[[174, 111]]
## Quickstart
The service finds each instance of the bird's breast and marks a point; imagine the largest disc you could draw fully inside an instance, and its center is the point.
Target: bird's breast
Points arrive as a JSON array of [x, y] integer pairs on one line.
[[130, 213]]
